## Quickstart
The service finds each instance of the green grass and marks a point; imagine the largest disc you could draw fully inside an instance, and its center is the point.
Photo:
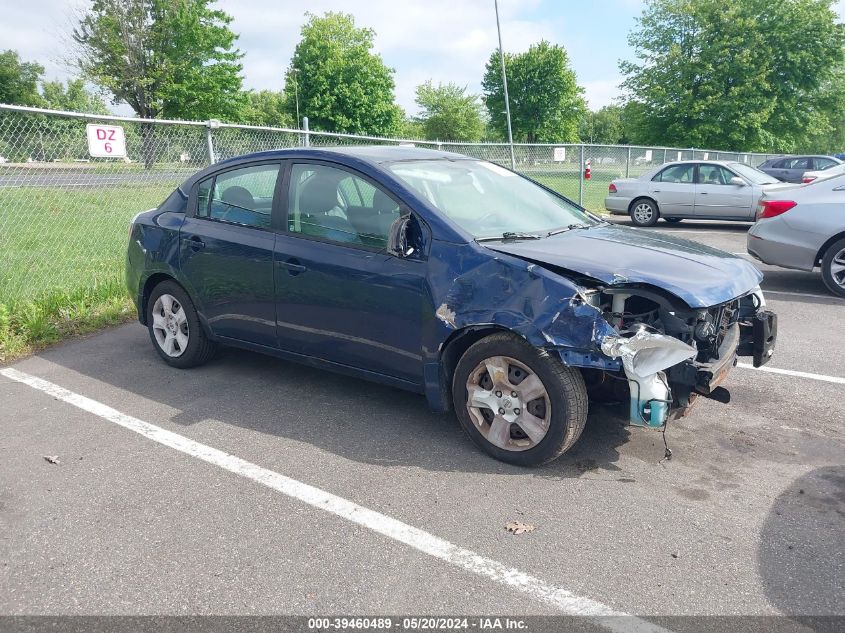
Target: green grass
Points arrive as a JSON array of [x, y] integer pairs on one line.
[[62, 255], [566, 183]]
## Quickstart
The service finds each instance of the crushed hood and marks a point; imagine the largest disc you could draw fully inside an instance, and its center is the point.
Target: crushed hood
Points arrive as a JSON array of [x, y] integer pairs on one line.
[[700, 275]]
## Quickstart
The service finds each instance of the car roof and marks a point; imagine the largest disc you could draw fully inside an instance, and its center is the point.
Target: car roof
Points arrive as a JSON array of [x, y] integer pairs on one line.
[[370, 153]]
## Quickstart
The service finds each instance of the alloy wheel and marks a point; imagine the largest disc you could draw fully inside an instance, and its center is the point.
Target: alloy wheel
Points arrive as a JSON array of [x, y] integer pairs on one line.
[[170, 325], [837, 268], [643, 212], [508, 403]]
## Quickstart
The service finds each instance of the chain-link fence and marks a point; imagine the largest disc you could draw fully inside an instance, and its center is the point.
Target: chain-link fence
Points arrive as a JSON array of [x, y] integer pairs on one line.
[[64, 213]]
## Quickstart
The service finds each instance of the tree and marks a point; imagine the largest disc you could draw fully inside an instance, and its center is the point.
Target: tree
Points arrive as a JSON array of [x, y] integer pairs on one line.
[[72, 96], [545, 100], [165, 58], [742, 75], [266, 108], [342, 85], [410, 128], [603, 127], [19, 80], [448, 113]]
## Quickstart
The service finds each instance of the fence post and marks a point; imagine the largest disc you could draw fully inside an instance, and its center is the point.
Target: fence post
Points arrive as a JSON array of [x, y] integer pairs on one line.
[[306, 136], [628, 164], [211, 124], [581, 178]]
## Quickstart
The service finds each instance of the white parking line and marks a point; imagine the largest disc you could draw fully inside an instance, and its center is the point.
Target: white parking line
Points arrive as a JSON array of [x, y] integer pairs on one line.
[[562, 599], [798, 374], [766, 291]]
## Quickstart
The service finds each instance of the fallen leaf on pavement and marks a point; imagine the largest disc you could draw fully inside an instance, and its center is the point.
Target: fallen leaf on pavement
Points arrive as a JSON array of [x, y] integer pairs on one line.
[[518, 527]]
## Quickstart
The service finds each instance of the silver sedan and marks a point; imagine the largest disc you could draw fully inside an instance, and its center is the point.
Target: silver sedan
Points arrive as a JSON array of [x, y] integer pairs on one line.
[[696, 189], [803, 227]]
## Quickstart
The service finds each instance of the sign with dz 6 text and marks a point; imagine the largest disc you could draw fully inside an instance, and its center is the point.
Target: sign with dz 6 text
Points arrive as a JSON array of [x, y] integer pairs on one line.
[[106, 141]]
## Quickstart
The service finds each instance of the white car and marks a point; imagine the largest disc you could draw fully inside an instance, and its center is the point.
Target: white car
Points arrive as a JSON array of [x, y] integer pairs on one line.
[[817, 174], [694, 189], [802, 227]]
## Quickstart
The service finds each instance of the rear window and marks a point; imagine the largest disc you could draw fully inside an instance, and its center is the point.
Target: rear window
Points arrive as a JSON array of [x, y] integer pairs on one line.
[[176, 202]]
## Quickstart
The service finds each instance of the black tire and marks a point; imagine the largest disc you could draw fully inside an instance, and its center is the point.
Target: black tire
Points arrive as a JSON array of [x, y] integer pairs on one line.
[[565, 390], [644, 212], [673, 220], [834, 251], [199, 348]]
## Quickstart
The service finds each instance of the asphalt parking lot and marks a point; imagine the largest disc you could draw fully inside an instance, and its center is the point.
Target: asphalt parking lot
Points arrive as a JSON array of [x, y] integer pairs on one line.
[[745, 519]]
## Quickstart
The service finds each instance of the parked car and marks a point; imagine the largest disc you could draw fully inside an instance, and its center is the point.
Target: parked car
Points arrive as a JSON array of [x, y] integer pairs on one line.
[[792, 168], [802, 228], [697, 189], [444, 275], [810, 176]]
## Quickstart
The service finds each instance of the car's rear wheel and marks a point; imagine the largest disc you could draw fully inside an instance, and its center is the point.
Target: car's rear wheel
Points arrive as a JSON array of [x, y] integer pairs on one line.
[[644, 212], [833, 268], [174, 327], [518, 403]]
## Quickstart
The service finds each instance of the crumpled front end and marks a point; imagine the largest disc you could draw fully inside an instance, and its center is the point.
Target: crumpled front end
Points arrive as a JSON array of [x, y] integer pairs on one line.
[[670, 355]]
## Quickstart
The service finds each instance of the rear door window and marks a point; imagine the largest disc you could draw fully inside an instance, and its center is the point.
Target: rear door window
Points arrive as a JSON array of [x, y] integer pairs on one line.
[[239, 196], [677, 173], [798, 163]]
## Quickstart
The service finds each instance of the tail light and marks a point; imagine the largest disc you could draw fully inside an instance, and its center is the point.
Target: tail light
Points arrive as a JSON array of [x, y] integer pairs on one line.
[[611, 188], [807, 179], [772, 208]]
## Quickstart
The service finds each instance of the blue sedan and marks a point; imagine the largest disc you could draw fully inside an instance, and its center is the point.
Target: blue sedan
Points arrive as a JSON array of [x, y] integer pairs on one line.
[[449, 276]]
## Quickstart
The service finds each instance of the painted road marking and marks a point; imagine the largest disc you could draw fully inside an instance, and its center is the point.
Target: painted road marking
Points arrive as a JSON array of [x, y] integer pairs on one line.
[[422, 541], [798, 374], [766, 291]]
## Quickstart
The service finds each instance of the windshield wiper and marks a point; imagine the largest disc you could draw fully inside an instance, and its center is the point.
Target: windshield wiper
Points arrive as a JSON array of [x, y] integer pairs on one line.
[[568, 228], [510, 235]]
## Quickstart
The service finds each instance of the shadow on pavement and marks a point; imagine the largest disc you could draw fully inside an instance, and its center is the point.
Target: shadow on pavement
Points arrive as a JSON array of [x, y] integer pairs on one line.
[[801, 556], [352, 418]]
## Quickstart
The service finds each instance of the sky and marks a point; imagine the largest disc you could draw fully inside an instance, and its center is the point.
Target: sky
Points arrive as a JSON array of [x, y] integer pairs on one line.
[[441, 40]]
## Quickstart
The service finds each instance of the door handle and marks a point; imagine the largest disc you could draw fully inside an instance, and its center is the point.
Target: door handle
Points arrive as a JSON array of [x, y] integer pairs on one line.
[[702, 193], [293, 266], [195, 242]]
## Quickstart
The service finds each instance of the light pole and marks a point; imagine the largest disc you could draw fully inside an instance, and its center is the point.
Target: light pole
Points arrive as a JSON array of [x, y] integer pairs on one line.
[[296, 92], [505, 85]]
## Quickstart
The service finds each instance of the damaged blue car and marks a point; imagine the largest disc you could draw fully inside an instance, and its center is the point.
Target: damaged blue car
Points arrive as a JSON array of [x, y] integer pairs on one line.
[[449, 276]]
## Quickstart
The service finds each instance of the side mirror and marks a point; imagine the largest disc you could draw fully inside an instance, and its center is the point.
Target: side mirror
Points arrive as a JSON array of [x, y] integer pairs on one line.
[[397, 238], [736, 180]]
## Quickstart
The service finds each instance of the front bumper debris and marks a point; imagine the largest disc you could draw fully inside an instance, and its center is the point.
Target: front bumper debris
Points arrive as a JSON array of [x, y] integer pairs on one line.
[[759, 337], [644, 357], [665, 374]]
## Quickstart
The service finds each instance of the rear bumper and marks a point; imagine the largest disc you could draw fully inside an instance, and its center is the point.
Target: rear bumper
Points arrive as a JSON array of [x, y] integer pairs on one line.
[[773, 242], [617, 205]]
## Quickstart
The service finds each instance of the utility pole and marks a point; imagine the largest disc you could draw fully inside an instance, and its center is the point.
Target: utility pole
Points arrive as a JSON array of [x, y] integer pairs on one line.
[[505, 85], [296, 92]]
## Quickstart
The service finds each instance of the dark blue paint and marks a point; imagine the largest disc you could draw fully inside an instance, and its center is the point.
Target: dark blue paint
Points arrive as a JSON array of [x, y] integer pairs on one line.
[[389, 319]]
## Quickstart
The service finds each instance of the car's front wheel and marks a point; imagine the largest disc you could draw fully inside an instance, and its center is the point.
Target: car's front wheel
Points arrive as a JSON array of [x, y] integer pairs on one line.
[[174, 327], [644, 212], [518, 403], [833, 268]]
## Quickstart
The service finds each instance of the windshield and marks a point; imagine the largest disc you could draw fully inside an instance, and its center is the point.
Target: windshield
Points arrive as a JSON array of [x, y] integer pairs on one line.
[[487, 200], [756, 176]]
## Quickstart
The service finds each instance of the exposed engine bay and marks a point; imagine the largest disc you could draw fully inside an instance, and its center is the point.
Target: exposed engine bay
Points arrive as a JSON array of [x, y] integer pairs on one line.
[[671, 353]]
